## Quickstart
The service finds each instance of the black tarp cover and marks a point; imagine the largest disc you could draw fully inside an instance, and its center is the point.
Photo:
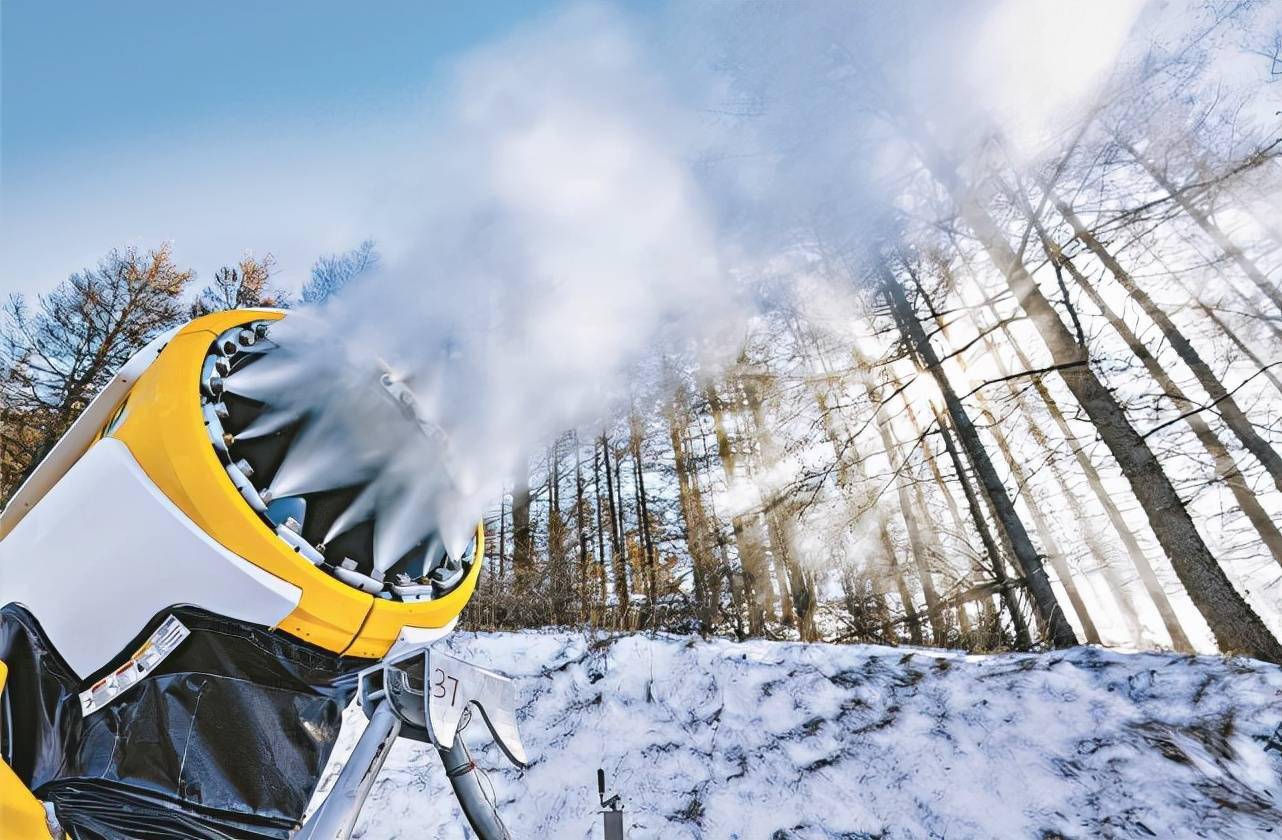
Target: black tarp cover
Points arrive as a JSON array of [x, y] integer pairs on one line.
[[226, 737]]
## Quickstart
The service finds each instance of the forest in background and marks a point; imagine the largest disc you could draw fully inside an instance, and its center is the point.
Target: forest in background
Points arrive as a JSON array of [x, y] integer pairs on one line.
[[1036, 402]]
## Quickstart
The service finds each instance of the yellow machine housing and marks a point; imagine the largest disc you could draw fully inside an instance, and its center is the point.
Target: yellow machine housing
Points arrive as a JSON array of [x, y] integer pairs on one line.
[[164, 430], [132, 516], [159, 419]]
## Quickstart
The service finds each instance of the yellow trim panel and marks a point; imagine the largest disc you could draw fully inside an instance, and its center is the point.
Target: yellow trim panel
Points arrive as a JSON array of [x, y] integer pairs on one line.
[[22, 817], [386, 618]]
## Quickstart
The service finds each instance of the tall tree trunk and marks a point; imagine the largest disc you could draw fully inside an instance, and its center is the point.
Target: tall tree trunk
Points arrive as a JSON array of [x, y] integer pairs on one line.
[[877, 583], [1057, 558], [1134, 552], [955, 517], [618, 558], [600, 524], [692, 514], [1234, 417], [838, 435], [1117, 586], [556, 572], [1010, 564], [1226, 468], [582, 529], [905, 595], [1235, 625], [1054, 553], [779, 568], [1005, 590], [1139, 560], [723, 571], [522, 550], [643, 523], [936, 560], [987, 544], [503, 538], [916, 545], [745, 434], [554, 476], [796, 586], [717, 564], [852, 578], [1218, 236], [751, 556], [1058, 630]]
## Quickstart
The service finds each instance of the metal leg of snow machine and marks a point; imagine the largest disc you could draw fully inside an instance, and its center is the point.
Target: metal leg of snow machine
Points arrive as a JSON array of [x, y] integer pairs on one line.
[[424, 696], [478, 807], [336, 817]]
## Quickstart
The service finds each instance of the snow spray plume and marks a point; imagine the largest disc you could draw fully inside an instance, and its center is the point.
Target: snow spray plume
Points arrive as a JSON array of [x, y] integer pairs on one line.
[[594, 193], [555, 237]]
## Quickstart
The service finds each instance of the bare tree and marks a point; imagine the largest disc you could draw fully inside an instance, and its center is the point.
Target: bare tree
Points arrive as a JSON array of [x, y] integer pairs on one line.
[[1234, 417], [1035, 578], [56, 355], [1235, 625], [333, 272], [248, 283]]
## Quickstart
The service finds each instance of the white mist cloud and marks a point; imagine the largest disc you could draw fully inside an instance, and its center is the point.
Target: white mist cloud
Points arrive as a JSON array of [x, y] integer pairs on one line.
[[1033, 61], [587, 193], [567, 213], [548, 237]]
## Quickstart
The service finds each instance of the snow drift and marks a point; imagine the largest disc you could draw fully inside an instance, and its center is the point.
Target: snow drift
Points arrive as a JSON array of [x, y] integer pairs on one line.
[[774, 740]]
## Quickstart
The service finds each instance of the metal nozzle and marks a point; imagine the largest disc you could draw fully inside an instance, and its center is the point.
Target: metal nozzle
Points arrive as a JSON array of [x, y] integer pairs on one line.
[[247, 490], [406, 589], [226, 342], [447, 575], [211, 379], [300, 545], [349, 576], [220, 438]]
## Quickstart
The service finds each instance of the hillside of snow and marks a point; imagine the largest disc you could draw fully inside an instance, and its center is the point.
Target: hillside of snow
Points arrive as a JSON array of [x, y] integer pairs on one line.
[[776, 740]]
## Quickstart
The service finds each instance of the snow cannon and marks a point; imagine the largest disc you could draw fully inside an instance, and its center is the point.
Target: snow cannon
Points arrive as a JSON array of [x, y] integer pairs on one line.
[[178, 640]]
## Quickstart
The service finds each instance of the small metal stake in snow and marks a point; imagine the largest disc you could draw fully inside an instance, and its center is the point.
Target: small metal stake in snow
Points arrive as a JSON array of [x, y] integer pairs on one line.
[[612, 809]]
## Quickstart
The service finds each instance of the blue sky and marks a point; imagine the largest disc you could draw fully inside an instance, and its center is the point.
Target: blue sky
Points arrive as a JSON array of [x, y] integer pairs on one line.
[[220, 126]]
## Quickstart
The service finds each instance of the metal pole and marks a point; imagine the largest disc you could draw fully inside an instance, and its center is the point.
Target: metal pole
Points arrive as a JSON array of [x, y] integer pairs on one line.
[[336, 817], [478, 809]]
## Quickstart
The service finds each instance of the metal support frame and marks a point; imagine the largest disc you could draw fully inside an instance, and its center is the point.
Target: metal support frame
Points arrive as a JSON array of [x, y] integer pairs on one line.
[[336, 817], [423, 695]]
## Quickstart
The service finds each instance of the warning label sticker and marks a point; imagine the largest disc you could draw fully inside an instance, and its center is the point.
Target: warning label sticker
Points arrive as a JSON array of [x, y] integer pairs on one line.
[[168, 636]]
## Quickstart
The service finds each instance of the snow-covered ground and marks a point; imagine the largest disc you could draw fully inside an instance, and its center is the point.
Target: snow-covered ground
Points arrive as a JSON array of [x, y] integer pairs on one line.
[[775, 740]]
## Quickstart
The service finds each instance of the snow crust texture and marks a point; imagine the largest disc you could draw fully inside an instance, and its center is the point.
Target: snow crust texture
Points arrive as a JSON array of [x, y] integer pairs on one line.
[[776, 740]]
